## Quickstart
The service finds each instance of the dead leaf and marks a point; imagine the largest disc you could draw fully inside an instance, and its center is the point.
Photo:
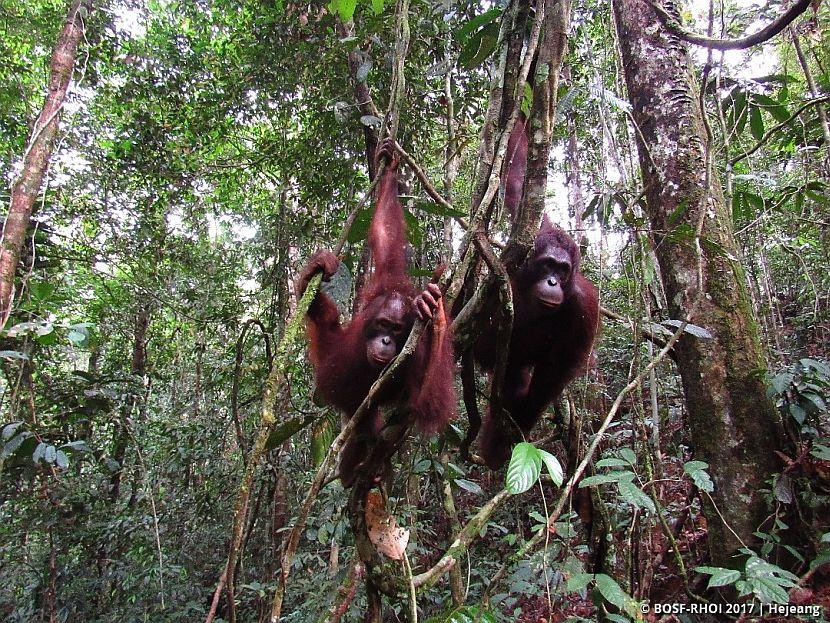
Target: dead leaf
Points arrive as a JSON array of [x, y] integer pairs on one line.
[[383, 531]]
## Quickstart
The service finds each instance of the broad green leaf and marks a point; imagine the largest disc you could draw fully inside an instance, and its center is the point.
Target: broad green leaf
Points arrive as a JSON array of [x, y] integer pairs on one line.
[[414, 231], [77, 446], [377, 6], [612, 592], [821, 452], [11, 446], [479, 47], [474, 24], [694, 466], [76, 338], [321, 437], [696, 471], [612, 462], [628, 455], [10, 429], [343, 8], [720, 576], [39, 453], [798, 413], [524, 468], [774, 107], [756, 123], [740, 112], [578, 581], [604, 479], [469, 485], [691, 329], [633, 494], [554, 467], [360, 225], [781, 382]]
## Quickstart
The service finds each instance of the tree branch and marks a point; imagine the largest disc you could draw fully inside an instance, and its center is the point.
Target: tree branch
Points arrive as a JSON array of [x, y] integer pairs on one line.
[[671, 24]]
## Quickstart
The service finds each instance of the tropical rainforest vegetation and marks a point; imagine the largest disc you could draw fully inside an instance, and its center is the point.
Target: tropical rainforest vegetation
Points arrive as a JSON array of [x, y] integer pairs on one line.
[[168, 168]]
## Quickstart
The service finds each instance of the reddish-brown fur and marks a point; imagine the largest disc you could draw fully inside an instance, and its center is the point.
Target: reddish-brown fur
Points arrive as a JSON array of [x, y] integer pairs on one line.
[[548, 346], [343, 370]]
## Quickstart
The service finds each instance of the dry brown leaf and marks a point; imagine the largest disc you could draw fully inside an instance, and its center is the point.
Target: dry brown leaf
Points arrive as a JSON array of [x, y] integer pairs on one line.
[[383, 531]]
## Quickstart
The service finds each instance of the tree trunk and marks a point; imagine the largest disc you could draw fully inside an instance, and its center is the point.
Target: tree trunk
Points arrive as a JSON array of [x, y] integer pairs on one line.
[[734, 427], [137, 369], [26, 187], [551, 51]]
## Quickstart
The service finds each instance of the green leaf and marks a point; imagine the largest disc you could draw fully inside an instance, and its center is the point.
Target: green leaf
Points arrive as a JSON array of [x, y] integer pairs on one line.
[[41, 290], [360, 226], [76, 338], [691, 329], [740, 111], [479, 47], [474, 24], [343, 8], [377, 6], [524, 468], [774, 107], [578, 581], [604, 479], [77, 446], [628, 455], [740, 207], [321, 437], [720, 576], [756, 201], [469, 485], [612, 592], [696, 471], [371, 121], [61, 459], [821, 452], [554, 467], [464, 614], [781, 382], [11, 446], [756, 123], [414, 231], [10, 429], [527, 99], [694, 466], [634, 495], [612, 462], [798, 413]]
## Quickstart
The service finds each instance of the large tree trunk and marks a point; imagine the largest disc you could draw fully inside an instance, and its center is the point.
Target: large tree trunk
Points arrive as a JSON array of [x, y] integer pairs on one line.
[[38, 152], [734, 427]]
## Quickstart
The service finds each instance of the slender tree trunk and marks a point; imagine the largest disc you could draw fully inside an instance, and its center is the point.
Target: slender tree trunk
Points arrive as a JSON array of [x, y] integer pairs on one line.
[[26, 187], [734, 427], [552, 48], [137, 369]]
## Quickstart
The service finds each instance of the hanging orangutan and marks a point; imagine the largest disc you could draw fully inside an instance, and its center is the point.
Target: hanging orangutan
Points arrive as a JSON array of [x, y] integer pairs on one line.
[[348, 358]]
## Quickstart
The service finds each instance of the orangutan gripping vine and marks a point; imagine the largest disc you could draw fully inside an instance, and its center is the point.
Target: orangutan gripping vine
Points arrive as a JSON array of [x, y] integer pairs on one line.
[[348, 358], [556, 310]]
